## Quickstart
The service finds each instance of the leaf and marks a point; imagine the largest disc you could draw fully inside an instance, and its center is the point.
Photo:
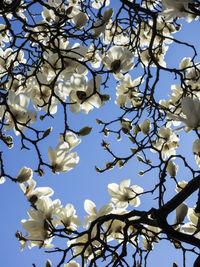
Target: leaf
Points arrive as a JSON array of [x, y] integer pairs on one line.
[[84, 131]]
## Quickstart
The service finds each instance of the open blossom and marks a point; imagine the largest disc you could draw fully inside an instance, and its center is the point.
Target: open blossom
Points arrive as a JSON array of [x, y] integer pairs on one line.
[[118, 59], [91, 209], [38, 225], [178, 8], [18, 104], [79, 246], [32, 193], [124, 194], [71, 139], [61, 159], [194, 224], [150, 235], [80, 20], [127, 92], [82, 95], [166, 142], [191, 110], [67, 217]]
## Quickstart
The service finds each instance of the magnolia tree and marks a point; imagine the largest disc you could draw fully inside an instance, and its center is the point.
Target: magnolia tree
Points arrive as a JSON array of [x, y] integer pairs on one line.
[[59, 56]]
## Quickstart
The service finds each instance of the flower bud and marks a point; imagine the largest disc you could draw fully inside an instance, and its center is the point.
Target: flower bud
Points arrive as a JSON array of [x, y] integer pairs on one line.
[[181, 212], [145, 126], [24, 175], [196, 147], [172, 168]]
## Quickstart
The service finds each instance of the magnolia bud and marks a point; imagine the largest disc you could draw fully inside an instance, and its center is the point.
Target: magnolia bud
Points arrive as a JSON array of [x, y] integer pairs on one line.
[[196, 147], [145, 126], [172, 168], [181, 212], [48, 263], [24, 175]]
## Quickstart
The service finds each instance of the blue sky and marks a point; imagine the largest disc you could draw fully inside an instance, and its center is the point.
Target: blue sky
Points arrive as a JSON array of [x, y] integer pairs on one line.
[[83, 182]]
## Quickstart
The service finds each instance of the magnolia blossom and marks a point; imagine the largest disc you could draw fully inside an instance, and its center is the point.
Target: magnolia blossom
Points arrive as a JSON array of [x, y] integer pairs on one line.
[[194, 225], [166, 142], [172, 168], [181, 212], [33, 194], [67, 217], [150, 235], [124, 194], [178, 8], [38, 227], [191, 110], [91, 209], [83, 96], [61, 159], [126, 125], [118, 59], [180, 186], [100, 25], [127, 92], [79, 244], [80, 20], [71, 139], [98, 3], [18, 104], [24, 175], [72, 264], [145, 126]]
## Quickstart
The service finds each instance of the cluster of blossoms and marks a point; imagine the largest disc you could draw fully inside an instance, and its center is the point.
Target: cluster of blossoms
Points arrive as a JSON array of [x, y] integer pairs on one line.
[[48, 215], [71, 73]]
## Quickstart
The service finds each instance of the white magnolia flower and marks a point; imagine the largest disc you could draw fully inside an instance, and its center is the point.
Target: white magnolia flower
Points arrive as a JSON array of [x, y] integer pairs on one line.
[[196, 147], [2, 180], [72, 264], [150, 236], [61, 159], [18, 104], [178, 8], [24, 175], [127, 92], [191, 110], [180, 186], [91, 209], [32, 193], [118, 59], [83, 96], [124, 194], [98, 3], [89, 251], [194, 224], [181, 212], [126, 125], [80, 20], [38, 225], [67, 217], [172, 168], [166, 142], [71, 139], [145, 126]]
